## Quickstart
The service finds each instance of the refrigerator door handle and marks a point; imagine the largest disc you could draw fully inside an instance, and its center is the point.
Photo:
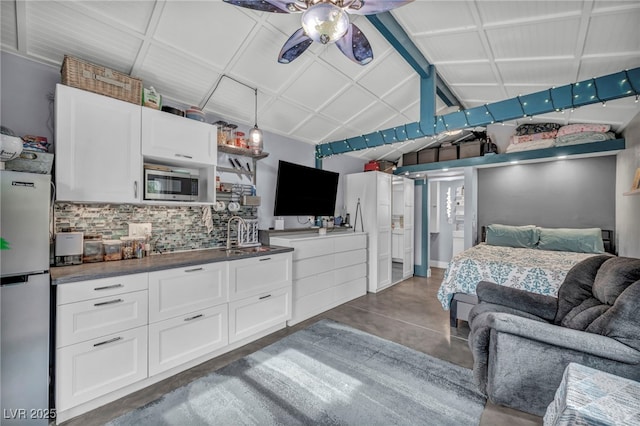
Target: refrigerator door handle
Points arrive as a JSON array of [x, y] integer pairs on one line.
[[17, 280]]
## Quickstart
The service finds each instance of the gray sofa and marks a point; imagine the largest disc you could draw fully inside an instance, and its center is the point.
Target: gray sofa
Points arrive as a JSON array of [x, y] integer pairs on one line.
[[522, 342]]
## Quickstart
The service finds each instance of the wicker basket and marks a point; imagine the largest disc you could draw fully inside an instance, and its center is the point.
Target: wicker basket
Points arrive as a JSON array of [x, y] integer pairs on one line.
[[102, 80]]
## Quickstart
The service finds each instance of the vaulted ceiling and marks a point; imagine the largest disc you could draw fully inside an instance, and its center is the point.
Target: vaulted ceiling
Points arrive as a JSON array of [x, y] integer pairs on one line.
[[485, 51]]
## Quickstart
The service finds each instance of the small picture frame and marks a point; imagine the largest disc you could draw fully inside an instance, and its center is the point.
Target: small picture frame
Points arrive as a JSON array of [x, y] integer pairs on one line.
[[636, 180]]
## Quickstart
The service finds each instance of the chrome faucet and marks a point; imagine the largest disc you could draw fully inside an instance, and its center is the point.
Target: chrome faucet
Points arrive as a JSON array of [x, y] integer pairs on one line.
[[240, 221]]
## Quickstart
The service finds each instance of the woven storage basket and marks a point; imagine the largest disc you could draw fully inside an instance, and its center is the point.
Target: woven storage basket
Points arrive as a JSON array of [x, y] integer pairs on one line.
[[102, 80]]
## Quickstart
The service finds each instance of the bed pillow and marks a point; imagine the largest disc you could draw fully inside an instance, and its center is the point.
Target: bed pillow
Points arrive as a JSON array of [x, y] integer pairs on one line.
[[512, 236], [587, 240]]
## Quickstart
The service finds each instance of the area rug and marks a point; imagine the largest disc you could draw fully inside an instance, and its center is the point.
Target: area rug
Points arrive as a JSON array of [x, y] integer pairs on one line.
[[325, 374]]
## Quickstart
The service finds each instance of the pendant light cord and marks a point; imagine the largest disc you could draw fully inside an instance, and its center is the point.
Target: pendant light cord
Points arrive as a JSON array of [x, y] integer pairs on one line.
[[256, 110]]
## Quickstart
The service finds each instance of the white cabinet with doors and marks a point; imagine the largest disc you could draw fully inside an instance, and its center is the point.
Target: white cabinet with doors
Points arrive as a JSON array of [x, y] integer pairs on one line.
[[374, 192], [259, 294], [187, 314], [101, 338], [97, 148], [174, 139]]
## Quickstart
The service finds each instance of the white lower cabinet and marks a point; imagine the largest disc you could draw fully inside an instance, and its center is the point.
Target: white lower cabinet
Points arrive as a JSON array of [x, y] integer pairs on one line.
[[90, 369], [257, 313], [116, 335], [327, 271], [177, 340]]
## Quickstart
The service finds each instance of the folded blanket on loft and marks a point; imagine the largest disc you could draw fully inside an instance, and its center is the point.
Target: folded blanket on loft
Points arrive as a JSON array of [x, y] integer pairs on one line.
[[527, 146], [585, 137]]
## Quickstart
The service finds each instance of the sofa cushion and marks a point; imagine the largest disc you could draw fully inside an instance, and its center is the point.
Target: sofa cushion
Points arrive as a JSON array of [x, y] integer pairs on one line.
[[622, 320], [614, 276]]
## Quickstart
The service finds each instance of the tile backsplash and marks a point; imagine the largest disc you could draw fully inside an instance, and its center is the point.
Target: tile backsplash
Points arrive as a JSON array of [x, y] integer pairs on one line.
[[174, 228]]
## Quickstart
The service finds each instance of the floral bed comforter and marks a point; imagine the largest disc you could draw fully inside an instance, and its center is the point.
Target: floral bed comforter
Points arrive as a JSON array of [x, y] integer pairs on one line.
[[537, 271]]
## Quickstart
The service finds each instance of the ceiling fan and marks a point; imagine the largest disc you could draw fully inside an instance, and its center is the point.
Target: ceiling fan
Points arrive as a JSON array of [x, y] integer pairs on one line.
[[325, 21]]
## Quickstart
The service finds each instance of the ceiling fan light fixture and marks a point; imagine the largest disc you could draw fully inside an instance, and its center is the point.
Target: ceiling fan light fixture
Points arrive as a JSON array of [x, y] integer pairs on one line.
[[325, 22]]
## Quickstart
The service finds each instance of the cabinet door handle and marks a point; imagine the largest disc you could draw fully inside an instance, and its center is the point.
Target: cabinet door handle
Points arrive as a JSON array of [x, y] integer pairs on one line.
[[135, 189], [262, 259], [264, 297], [193, 270], [108, 287], [110, 302], [192, 318], [184, 156], [115, 339]]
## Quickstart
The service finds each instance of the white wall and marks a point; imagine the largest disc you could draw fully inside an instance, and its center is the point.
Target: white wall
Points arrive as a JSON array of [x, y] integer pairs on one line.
[[628, 207]]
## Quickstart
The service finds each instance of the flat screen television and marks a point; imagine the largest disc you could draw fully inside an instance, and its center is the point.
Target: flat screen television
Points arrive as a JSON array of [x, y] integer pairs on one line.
[[305, 191]]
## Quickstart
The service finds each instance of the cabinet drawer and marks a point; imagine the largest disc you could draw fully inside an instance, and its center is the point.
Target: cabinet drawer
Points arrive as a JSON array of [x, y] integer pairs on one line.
[[177, 340], [90, 319], [354, 242], [103, 287], [350, 258], [313, 284], [249, 277], [351, 273], [254, 314], [87, 370], [179, 291], [317, 265], [312, 248]]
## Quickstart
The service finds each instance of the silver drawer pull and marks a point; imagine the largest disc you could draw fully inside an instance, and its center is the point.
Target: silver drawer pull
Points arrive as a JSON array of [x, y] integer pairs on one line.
[[192, 318], [265, 297], [193, 270], [115, 339], [108, 287], [262, 259], [110, 302], [184, 156]]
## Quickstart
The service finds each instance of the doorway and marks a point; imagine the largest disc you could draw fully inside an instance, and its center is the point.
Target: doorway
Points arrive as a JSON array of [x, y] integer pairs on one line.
[[446, 219]]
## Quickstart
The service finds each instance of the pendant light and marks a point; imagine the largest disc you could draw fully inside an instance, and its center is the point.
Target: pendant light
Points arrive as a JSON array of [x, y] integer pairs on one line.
[[255, 134]]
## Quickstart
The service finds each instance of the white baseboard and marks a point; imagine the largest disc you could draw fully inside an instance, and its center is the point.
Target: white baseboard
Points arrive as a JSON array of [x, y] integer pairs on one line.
[[438, 264]]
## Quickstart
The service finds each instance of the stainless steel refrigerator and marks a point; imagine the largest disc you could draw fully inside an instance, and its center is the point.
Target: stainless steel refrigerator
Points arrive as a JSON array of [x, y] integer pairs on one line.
[[24, 297]]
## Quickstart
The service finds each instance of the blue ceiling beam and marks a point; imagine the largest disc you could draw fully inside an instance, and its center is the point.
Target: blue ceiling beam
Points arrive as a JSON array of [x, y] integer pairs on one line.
[[402, 43], [592, 91]]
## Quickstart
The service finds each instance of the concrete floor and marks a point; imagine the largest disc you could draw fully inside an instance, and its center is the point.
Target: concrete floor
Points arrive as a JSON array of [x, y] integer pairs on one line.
[[407, 313]]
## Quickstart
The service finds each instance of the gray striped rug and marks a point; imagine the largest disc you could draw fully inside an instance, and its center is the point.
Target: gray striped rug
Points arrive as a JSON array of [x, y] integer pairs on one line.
[[326, 374]]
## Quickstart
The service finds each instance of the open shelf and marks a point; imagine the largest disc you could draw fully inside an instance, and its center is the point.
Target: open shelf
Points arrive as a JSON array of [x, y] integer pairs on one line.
[[609, 147], [228, 149]]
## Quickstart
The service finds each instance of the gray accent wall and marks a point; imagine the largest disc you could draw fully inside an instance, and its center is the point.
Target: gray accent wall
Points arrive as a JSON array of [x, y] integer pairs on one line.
[[576, 193]]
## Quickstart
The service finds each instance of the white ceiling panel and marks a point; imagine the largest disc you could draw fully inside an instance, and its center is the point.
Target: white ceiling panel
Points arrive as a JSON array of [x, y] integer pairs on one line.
[[510, 12], [464, 46], [428, 17], [608, 33], [8, 32], [203, 29], [344, 107], [386, 75], [134, 15], [55, 30], [258, 62], [547, 72], [484, 50], [176, 75], [282, 116], [315, 86], [471, 73], [541, 40]]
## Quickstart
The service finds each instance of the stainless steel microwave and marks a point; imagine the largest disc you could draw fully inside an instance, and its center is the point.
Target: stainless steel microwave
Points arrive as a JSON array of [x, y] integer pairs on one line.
[[170, 185]]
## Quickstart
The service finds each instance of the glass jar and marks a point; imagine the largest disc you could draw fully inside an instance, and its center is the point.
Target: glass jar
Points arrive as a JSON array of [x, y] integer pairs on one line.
[[92, 248], [240, 140], [231, 136], [222, 137], [128, 247], [112, 250]]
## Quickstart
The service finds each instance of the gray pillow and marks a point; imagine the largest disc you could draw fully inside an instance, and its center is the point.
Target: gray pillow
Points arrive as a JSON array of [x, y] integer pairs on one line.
[[512, 236], [587, 240]]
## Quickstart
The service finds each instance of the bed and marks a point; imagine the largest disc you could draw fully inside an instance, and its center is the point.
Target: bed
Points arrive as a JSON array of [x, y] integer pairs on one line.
[[537, 261]]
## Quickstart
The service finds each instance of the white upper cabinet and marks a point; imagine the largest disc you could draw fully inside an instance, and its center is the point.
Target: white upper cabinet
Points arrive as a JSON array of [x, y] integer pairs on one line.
[[177, 140], [97, 148]]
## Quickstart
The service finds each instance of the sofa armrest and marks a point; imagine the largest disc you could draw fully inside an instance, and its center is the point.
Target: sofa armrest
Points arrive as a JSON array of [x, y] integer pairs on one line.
[[590, 343], [536, 304]]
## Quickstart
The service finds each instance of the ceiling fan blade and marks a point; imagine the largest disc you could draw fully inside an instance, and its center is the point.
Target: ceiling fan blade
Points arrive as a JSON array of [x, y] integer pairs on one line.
[[355, 46], [275, 6], [371, 7], [294, 47]]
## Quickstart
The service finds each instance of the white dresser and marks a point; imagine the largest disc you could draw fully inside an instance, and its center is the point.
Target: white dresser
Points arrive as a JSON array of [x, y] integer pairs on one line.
[[328, 270]]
